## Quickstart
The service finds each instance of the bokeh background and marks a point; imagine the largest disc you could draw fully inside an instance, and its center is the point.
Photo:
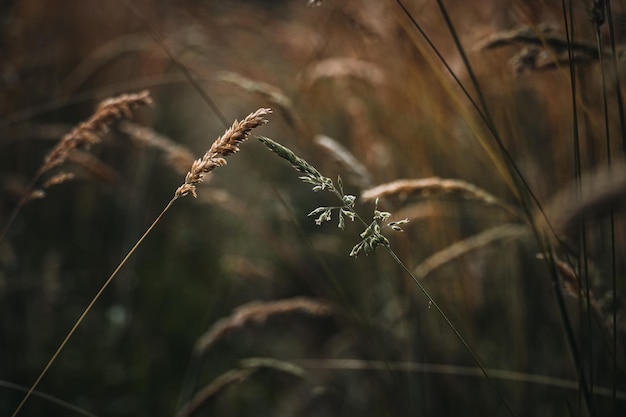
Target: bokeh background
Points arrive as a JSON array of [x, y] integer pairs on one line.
[[237, 303]]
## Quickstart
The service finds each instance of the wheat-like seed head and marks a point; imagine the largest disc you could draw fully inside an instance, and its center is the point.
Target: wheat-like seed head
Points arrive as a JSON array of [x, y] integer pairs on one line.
[[259, 312], [88, 133], [59, 178], [427, 186], [225, 145]]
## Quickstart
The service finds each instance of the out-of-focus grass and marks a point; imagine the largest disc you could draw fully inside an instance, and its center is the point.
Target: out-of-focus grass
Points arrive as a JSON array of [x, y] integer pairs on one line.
[[356, 71]]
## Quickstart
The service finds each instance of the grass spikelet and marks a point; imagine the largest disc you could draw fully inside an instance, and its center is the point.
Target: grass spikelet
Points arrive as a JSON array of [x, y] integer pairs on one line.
[[311, 174], [59, 178], [434, 186], [83, 136], [177, 156], [88, 133], [225, 145], [259, 312]]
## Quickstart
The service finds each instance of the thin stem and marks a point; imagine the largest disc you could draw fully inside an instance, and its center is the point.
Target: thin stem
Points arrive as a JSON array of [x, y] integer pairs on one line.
[[182, 68], [88, 309]]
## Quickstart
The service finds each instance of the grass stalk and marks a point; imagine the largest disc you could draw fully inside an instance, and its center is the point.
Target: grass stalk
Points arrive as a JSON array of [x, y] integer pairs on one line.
[[225, 145], [372, 238]]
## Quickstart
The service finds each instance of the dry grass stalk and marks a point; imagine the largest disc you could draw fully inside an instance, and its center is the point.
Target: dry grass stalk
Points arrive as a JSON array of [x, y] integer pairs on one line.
[[595, 194], [219, 384], [357, 173], [269, 92], [532, 58], [544, 50], [225, 145], [465, 246], [88, 133], [59, 178], [258, 312], [434, 186], [176, 156], [345, 67], [237, 376], [542, 35]]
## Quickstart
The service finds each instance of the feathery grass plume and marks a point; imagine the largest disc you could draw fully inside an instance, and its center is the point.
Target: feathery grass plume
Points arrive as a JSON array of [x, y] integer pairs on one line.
[[371, 236], [177, 156], [436, 186], [83, 136], [258, 312], [223, 146], [88, 133], [357, 172], [465, 246], [310, 174]]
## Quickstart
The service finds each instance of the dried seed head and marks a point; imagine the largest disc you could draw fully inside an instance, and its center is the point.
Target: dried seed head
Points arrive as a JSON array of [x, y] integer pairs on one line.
[[88, 133], [225, 145]]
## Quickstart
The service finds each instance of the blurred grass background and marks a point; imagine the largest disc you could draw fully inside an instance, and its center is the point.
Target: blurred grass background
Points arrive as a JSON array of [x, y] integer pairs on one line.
[[360, 73]]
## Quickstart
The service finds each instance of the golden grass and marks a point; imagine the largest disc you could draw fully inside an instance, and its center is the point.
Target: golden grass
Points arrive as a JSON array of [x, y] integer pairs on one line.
[[88, 133], [223, 146], [436, 187]]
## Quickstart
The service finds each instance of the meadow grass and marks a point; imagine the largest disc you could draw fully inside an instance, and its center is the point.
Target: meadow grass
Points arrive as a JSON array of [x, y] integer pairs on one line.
[[485, 138]]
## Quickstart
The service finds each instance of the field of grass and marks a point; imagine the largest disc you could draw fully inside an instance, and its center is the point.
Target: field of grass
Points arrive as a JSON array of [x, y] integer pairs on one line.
[[159, 254]]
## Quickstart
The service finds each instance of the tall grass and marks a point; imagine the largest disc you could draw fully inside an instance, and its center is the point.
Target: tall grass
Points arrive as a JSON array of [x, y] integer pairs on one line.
[[495, 128]]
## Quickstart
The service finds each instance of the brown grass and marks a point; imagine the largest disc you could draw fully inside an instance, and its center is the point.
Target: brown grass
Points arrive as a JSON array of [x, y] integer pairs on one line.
[[435, 186], [466, 246], [88, 133], [223, 146], [258, 312]]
